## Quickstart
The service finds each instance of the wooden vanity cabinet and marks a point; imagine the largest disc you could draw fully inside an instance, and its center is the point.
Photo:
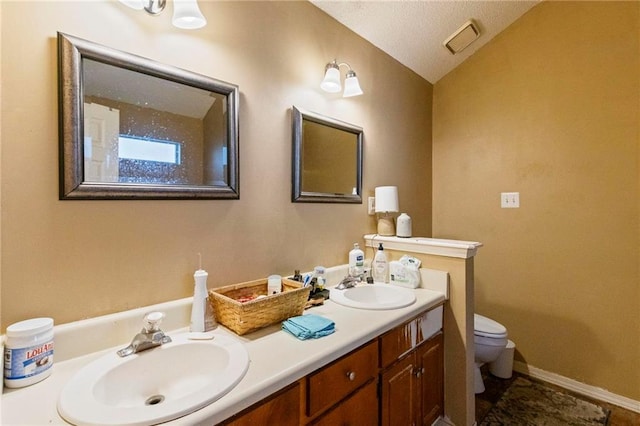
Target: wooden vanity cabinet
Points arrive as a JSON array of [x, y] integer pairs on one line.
[[412, 372], [411, 389], [281, 408], [359, 409], [394, 380], [344, 392], [399, 397], [341, 393], [430, 359]]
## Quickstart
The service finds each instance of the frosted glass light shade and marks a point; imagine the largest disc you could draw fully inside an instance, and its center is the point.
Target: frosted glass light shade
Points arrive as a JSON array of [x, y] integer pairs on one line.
[[351, 85], [331, 82], [387, 199], [187, 15]]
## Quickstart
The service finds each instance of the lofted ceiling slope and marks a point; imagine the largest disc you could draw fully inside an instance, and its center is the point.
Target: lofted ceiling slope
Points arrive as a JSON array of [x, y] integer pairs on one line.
[[413, 32]]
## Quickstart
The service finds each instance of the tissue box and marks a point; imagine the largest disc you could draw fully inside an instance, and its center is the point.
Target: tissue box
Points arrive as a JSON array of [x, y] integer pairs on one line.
[[405, 276]]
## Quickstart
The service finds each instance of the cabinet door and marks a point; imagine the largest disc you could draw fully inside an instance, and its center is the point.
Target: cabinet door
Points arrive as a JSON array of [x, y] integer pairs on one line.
[[399, 393], [282, 409], [360, 409], [431, 362]]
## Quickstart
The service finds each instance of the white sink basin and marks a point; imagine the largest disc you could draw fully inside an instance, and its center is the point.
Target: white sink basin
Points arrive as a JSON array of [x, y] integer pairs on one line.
[[156, 385], [374, 296]]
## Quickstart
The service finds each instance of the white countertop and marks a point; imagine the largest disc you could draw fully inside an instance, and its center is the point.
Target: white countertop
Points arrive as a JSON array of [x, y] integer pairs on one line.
[[277, 359]]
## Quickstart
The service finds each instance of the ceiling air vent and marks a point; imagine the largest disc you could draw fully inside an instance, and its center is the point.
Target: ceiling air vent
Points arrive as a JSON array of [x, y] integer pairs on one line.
[[463, 37]]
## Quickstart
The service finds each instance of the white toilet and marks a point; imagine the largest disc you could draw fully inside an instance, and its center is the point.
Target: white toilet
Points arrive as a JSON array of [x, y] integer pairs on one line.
[[490, 340]]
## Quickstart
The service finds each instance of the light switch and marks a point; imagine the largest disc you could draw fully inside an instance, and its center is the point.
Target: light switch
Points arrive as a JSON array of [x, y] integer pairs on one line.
[[510, 200], [371, 203]]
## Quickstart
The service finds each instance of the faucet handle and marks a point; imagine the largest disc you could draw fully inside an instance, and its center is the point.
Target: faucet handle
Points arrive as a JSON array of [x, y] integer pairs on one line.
[[151, 321]]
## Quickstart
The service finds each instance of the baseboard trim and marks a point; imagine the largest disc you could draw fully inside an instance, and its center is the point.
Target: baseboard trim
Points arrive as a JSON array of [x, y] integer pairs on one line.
[[578, 387]]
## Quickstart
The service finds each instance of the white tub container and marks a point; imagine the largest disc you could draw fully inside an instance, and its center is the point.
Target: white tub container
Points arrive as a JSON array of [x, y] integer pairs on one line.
[[28, 352]]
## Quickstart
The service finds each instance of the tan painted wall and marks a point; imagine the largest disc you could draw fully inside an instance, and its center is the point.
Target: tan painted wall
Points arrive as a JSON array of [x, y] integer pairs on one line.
[[78, 259], [551, 108]]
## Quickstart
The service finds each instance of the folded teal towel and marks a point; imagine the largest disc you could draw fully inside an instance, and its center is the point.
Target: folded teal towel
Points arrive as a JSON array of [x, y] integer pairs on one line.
[[309, 326]]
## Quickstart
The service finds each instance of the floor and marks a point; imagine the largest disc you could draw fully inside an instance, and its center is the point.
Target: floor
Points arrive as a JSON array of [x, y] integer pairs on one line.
[[495, 387]]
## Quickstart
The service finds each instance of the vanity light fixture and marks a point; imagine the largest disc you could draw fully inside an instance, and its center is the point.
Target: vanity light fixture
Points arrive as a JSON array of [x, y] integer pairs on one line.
[[186, 13], [331, 82], [386, 204]]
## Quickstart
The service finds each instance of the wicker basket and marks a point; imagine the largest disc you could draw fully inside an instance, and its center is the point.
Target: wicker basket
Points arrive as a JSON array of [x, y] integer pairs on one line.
[[249, 316]]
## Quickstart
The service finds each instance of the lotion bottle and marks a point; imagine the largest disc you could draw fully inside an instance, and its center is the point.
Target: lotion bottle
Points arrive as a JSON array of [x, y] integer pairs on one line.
[[356, 261], [380, 270]]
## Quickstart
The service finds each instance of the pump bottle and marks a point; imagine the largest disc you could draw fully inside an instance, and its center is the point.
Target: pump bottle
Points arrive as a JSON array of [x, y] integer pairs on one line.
[[380, 268]]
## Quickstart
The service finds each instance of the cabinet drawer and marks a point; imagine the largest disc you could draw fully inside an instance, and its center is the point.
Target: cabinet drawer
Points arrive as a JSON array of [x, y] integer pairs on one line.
[[360, 409], [332, 383], [282, 409], [409, 335]]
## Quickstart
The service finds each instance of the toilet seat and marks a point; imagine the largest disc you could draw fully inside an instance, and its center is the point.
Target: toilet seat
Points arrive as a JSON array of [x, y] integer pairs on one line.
[[486, 327]]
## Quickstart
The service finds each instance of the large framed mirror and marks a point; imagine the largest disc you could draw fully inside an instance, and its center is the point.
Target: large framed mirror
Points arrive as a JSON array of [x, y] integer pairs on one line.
[[327, 159], [133, 128]]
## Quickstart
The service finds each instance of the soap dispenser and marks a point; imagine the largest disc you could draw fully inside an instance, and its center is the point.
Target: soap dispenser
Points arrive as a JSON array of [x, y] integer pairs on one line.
[[380, 270]]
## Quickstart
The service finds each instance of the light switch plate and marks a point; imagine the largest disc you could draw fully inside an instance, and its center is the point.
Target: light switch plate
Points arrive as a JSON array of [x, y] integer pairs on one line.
[[510, 200], [371, 206]]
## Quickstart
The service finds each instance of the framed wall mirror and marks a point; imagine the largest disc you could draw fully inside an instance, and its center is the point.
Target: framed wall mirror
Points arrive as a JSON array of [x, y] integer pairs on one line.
[[133, 128], [327, 159]]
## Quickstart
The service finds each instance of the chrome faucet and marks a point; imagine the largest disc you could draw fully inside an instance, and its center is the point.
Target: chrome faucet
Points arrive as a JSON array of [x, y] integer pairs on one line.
[[149, 337], [348, 282]]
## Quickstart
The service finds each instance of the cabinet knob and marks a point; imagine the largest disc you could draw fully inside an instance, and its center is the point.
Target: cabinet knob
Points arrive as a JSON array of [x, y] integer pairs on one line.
[[351, 375]]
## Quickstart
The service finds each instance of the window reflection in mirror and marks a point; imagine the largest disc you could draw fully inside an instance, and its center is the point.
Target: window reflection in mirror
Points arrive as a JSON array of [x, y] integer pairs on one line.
[[120, 103], [327, 159], [135, 128]]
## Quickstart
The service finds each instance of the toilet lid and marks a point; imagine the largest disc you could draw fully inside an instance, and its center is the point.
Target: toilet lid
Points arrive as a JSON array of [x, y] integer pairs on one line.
[[487, 327]]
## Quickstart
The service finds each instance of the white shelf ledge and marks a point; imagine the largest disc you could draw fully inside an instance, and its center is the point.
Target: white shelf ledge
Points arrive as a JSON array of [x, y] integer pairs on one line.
[[434, 246]]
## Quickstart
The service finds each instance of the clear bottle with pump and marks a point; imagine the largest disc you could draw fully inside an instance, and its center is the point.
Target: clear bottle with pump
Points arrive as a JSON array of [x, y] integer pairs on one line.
[[356, 261], [380, 269]]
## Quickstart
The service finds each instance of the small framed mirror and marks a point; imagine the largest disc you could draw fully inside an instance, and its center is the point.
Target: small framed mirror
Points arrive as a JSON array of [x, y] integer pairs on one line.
[[327, 159], [133, 128]]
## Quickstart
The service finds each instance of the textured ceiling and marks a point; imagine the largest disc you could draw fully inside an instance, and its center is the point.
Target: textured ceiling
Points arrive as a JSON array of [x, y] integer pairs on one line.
[[412, 32]]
